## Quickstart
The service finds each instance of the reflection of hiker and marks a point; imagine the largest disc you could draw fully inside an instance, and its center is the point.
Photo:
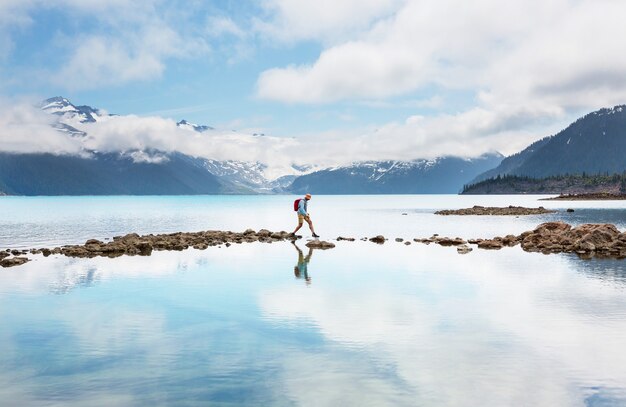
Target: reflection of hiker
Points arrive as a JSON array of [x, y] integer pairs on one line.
[[300, 206], [301, 269]]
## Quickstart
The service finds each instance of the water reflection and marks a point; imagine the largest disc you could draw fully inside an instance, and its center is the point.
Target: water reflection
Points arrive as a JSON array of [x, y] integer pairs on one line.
[[301, 269], [387, 325]]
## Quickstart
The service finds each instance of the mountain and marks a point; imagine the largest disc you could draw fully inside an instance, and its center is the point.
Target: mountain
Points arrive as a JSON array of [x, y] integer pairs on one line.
[[593, 144], [105, 174], [200, 128], [63, 108], [438, 176], [147, 171]]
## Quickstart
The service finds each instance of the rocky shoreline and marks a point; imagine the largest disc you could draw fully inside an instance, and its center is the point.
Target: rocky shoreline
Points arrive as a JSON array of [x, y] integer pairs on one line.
[[493, 210], [587, 241], [600, 196]]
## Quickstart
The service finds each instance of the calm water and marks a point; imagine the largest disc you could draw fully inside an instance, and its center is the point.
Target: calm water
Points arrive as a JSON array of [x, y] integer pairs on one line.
[[360, 324]]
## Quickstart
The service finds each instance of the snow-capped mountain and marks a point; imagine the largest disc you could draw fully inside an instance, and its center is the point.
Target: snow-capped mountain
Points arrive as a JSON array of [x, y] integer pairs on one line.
[[150, 171], [69, 113], [233, 176], [439, 175], [200, 128]]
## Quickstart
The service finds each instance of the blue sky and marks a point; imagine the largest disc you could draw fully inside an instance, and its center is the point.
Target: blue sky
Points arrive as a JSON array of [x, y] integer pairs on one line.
[[378, 78]]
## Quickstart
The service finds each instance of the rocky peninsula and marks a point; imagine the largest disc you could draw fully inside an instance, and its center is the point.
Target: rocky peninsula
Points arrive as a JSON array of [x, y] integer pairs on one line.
[[492, 210], [600, 196]]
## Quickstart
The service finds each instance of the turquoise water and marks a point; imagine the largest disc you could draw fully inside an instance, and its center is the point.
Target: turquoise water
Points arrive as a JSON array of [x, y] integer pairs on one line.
[[27, 222], [367, 324]]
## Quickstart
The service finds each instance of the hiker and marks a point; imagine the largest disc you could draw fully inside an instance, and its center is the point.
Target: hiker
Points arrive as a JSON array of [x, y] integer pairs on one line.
[[301, 269], [300, 205]]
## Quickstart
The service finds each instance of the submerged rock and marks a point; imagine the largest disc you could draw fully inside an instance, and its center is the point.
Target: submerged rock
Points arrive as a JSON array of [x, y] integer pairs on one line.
[[13, 261], [463, 249]]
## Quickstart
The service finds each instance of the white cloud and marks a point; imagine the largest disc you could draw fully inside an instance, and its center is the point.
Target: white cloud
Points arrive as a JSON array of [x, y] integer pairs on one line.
[[532, 66], [555, 52], [25, 129], [219, 26], [327, 20], [430, 340], [127, 41]]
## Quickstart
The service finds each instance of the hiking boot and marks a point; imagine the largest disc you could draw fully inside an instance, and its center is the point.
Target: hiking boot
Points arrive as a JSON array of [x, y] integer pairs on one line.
[[314, 235]]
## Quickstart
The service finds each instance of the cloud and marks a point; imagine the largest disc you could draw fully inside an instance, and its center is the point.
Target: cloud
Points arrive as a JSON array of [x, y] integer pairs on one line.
[[529, 48], [24, 129], [531, 65], [219, 26], [100, 60], [125, 41], [326, 20], [429, 339]]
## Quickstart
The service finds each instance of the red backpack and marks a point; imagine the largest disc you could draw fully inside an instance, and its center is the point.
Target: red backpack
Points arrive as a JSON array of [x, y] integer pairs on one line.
[[296, 203]]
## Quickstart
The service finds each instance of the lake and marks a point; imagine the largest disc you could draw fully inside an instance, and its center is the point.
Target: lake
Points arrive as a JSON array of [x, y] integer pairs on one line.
[[279, 324]]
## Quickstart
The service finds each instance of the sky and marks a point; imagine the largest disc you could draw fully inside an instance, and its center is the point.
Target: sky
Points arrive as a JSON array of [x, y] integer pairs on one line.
[[328, 82]]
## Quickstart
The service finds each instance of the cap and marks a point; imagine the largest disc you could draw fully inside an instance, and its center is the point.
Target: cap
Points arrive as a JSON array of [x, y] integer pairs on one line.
[[308, 196]]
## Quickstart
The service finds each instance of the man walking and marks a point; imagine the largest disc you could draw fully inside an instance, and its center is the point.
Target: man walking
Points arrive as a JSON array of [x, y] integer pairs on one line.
[[304, 215]]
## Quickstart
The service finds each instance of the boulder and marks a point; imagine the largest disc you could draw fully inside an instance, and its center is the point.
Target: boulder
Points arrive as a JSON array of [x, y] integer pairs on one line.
[[380, 239]]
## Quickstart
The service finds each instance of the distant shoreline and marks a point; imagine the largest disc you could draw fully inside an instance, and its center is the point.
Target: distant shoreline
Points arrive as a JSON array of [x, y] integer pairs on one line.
[[600, 196]]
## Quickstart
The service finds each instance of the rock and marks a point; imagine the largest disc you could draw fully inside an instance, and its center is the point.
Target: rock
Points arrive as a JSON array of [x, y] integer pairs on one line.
[[92, 242], [13, 261], [145, 248], [264, 233], [507, 211], [380, 239], [569, 210], [348, 239], [399, 239], [490, 244], [510, 240], [446, 241], [3, 255], [249, 232], [320, 244], [588, 239], [16, 252], [463, 249], [404, 214], [407, 243]]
